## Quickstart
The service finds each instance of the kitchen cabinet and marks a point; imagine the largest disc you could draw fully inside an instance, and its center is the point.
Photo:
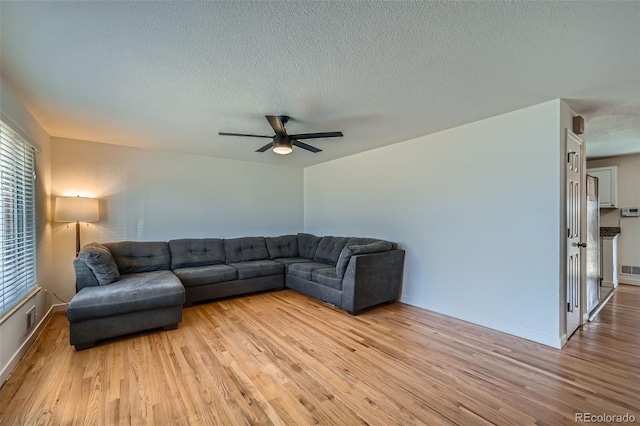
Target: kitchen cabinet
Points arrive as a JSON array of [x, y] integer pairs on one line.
[[607, 185]]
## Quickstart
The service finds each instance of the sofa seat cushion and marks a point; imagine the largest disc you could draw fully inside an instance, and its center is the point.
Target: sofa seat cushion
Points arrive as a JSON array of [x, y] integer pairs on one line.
[[328, 277], [203, 275], [286, 261], [258, 268], [133, 293], [305, 270]]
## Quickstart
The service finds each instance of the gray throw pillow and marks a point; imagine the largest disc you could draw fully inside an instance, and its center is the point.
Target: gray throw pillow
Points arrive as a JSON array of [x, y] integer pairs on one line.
[[347, 252], [343, 261], [376, 247], [99, 259]]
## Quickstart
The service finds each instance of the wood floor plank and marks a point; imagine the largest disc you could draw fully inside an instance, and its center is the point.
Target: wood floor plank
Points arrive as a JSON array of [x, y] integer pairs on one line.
[[282, 358]]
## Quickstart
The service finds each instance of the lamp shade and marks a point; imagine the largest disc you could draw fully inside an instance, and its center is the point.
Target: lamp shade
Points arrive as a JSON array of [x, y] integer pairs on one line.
[[76, 209]]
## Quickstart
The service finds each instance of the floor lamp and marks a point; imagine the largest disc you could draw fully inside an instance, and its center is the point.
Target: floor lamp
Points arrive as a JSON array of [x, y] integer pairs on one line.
[[77, 209]]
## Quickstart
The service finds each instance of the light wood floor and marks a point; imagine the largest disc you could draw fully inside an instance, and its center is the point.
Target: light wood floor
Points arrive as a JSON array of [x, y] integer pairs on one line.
[[283, 358]]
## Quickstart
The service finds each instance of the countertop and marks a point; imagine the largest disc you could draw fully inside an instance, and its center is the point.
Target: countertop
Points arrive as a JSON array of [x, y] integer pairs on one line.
[[609, 231]]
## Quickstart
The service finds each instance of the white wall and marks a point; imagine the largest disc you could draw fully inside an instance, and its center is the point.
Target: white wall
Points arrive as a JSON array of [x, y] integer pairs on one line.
[[157, 196], [14, 337], [628, 196], [477, 209]]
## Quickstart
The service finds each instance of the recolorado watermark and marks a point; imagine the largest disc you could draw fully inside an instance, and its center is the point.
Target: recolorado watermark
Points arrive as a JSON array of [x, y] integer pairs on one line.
[[604, 418]]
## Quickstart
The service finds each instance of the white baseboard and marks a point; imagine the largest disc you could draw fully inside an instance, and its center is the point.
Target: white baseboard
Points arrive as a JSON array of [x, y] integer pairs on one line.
[[24, 348], [59, 307], [628, 279], [563, 340], [545, 339]]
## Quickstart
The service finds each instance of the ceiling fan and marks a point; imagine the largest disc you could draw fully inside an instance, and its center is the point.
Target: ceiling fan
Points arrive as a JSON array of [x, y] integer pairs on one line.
[[282, 142]]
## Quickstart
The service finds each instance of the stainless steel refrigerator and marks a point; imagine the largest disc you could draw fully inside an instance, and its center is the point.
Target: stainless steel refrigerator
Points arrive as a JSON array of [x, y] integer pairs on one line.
[[593, 244]]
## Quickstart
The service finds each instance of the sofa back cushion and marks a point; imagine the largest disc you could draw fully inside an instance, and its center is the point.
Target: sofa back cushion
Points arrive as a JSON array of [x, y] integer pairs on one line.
[[138, 256], [99, 260], [307, 245], [191, 252], [329, 249], [283, 246], [245, 249]]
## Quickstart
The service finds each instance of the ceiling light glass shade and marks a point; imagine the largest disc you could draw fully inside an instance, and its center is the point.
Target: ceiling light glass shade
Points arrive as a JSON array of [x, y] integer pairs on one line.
[[76, 209], [282, 145], [282, 149]]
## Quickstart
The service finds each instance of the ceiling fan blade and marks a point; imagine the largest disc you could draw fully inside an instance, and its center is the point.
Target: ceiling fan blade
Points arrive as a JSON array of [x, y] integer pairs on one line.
[[276, 124], [317, 135], [243, 134], [305, 146], [264, 148]]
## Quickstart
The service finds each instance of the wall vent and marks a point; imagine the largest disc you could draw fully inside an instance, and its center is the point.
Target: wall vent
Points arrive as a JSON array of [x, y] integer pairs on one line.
[[631, 270], [31, 318]]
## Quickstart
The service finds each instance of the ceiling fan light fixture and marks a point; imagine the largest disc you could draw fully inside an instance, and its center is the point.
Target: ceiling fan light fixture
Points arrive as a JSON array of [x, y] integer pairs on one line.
[[282, 145], [282, 150]]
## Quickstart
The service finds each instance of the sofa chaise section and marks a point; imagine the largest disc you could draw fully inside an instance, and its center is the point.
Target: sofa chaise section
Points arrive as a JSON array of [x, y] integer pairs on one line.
[[123, 288]]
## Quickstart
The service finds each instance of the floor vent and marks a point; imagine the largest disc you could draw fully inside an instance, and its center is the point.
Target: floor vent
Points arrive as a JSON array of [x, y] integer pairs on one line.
[[631, 270]]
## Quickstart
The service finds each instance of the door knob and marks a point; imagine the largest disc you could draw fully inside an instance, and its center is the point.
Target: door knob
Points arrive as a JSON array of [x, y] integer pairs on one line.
[[580, 244]]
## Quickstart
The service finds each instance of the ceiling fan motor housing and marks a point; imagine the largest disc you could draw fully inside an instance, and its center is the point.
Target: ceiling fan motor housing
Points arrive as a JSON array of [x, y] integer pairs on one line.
[[282, 144]]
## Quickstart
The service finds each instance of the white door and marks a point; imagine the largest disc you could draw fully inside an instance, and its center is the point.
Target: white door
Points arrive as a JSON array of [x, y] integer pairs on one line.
[[574, 245]]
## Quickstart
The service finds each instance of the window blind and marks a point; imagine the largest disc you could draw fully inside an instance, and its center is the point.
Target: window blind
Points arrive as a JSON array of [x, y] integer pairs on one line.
[[18, 218]]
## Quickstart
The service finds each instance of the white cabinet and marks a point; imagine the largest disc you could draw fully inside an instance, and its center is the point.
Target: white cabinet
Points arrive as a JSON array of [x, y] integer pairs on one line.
[[607, 185]]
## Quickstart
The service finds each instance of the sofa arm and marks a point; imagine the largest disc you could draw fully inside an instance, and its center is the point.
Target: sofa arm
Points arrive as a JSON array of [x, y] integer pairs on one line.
[[371, 279]]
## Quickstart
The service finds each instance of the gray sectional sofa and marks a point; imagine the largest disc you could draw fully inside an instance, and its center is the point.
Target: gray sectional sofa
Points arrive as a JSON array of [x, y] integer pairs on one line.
[[131, 286]]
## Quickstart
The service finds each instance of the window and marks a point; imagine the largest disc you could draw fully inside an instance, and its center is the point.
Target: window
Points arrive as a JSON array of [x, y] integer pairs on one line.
[[17, 218]]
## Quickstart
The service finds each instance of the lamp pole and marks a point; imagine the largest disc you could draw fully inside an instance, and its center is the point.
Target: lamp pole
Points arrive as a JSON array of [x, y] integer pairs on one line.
[[77, 237], [77, 209]]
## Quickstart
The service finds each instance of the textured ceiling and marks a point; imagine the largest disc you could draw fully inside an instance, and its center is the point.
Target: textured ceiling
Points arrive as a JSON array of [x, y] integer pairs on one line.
[[171, 75]]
